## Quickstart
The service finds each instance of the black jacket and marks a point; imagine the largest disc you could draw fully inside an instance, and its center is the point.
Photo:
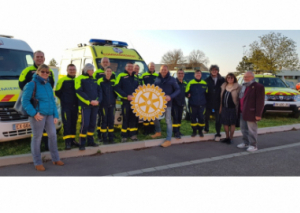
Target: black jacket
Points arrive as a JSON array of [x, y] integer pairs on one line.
[[125, 85], [179, 100], [107, 89], [214, 92], [65, 91], [198, 90], [168, 85]]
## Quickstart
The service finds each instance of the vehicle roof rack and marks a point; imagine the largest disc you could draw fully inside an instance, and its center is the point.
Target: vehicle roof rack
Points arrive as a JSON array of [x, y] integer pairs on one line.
[[103, 42], [6, 36]]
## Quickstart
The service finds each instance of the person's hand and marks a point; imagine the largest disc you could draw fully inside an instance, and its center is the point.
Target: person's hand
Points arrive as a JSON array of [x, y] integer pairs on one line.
[[168, 98], [189, 95], [55, 120], [38, 117], [140, 86], [257, 118], [220, 110], [94, 103], [129, 97]]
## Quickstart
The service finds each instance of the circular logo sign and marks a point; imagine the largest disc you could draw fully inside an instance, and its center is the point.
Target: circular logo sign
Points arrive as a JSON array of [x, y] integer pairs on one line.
[[149, 102], [117, 50]]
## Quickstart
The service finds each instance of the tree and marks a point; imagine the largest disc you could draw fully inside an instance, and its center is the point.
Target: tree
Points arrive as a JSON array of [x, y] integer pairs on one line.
[[173, 58], [279, 51], [52, 62], [258, 60], [196, 58], [243, 66]]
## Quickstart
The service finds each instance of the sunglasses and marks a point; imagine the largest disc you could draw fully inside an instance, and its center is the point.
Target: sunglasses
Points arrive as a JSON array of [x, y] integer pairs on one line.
[[47, 72]]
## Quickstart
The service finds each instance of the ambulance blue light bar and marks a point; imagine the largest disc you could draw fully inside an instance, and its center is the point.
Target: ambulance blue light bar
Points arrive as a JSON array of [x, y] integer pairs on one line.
[[103, 42]]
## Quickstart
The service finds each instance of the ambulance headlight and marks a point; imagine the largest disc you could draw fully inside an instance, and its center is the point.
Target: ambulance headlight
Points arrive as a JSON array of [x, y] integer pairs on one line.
[[266, 97]]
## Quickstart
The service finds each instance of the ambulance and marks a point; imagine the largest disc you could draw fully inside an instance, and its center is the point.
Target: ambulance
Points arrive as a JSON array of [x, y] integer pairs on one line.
[[117, 52], [279, 97], [15, 55]]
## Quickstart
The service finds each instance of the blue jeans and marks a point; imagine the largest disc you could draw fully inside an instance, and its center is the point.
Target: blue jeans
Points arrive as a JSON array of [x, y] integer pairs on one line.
[[37, 130], [168, 121]]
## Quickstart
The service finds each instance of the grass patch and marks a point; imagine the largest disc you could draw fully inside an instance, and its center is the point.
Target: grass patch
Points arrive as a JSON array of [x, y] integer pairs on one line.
[[23, 146]]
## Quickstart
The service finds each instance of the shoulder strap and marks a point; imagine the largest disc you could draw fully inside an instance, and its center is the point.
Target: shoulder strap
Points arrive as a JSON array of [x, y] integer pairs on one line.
[[34, 90]]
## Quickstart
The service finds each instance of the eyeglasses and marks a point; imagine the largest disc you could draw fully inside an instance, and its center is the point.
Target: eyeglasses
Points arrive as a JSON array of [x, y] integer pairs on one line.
[[47, 72], [229, 77]]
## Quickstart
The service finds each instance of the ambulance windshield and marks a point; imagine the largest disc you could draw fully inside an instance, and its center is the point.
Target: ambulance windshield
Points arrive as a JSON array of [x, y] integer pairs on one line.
[[118, 65], [12, 62]]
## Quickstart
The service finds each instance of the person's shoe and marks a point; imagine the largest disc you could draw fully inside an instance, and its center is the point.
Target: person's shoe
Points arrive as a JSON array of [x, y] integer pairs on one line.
[[93, 144], [225, 140], [194, 134], [201, 134], [242, 146], [156, 135], [177, 135], [59, 163], [134, 138], [111, 141], [68, 145], [229, 141], [181, 134], [40, 167], [217, 137], [124, 140], [81, 148], [166, 144], [75, 143], [252, 149]]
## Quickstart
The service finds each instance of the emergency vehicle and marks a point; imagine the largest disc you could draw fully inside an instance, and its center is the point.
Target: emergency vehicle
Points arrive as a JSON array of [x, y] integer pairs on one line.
[[15, 55], [117, 52], [279, 97]]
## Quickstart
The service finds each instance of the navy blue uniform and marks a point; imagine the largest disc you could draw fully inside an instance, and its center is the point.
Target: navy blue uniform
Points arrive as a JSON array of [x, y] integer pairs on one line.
[[197, 103], [177, 107], [65, 91], [126, 85], [107, 107], [87, 90]]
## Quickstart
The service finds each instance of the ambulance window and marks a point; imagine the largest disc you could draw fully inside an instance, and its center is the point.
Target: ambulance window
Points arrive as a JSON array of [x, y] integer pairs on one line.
[[88, 60], [142, 67], [29, 60], [77, 64]]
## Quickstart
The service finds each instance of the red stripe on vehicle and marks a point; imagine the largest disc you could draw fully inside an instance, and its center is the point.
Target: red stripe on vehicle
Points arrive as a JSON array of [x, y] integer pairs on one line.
[[7, 98]]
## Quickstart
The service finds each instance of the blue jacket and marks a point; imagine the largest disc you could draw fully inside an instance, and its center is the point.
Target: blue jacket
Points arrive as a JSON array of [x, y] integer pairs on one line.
[[126, 85], [65, 91], [179, 100], [44, 94], [168, 85], [107, 89], [198, 90]]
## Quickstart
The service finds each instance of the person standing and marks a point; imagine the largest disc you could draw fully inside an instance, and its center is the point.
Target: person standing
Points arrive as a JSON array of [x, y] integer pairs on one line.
[[42, 115], [178, 104], [90, 96], [105, 62], [125, 85], [252, 101], [196, 91], [214, 82], [27, 75], [149, 78], [229, 108], [65, 91], [171, 89], [107, 106]]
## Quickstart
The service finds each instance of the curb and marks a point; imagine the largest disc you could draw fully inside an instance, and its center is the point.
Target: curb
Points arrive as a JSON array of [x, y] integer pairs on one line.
[[27, 158]]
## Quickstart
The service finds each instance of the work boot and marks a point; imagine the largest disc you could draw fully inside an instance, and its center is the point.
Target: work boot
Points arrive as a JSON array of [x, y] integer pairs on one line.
[[105, 141], [134, 138], [93, 144], [166, 144], [74, 143], [82, 144], [177, 135], [68, 144], [201, 133], [181, 134], [194, 133], [111, 141], [156, 135]]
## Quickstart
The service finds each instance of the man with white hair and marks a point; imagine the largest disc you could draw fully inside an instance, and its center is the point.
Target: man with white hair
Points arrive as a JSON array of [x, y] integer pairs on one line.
[[252, 101], [89, 95]]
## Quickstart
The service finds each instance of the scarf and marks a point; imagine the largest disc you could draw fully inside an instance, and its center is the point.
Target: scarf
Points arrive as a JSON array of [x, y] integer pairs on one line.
[[245, 85]]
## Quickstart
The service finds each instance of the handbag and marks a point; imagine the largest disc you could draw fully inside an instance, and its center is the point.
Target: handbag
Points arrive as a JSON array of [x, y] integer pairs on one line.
[[18, 105]]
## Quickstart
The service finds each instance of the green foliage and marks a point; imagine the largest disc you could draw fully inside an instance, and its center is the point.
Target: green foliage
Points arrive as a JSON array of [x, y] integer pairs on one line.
[[53, 62], [243, 66]]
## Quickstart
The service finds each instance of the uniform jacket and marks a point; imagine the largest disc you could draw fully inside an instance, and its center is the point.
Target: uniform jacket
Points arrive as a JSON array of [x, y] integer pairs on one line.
[[168, 85], [179, 100], [149, 78], [107, 89], [214, 91], [65, 91], [125, 85], [87, 90], [198, 90], [100, 73], [44, 94], [234, 93], [27, 75], [254, 102]]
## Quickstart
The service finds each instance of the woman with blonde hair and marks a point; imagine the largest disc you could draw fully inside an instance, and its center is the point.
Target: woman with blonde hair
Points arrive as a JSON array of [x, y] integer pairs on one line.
[[38, 101], [230, 90]]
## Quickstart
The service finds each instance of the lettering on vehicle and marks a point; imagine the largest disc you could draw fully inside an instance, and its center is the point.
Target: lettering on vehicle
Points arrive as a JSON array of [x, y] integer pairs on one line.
[[114, 54], [8, 88]]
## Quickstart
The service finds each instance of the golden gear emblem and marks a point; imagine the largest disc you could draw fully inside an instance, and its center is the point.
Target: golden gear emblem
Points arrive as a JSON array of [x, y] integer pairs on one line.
[[148, 102]]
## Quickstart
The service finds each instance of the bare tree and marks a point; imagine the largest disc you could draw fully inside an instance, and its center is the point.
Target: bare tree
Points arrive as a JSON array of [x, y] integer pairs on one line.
[[196, 58], [173, 58]]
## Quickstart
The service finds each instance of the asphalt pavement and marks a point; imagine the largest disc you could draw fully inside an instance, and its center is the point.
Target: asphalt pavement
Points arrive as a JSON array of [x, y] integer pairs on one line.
[[278, 155]]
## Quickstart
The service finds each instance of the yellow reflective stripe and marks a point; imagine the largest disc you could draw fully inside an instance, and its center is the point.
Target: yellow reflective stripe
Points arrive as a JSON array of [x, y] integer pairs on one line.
[[179, 125], [90, 133], [175, 125], [132, 129], [110, 130], [103, 111], [68, 136], [123, 130], [102, 130], [201, 124], [65, 116], [151, 123], [99, 128], [194, 124], [45, 134], [146, 124], [82, 135], [82, 99]]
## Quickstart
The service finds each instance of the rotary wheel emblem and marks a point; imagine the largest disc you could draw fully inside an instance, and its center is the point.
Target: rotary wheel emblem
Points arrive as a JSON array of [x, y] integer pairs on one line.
[[149, 102]]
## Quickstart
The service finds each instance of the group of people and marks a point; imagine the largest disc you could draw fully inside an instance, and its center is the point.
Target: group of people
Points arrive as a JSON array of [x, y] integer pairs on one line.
[[95, 93]]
